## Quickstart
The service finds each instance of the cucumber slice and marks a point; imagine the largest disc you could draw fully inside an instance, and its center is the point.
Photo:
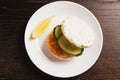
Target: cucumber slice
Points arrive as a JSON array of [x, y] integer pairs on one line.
[[57, 31], [68, 47]]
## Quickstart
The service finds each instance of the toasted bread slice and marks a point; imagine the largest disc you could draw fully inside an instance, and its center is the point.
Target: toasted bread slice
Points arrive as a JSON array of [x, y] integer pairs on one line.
[[55, 49]]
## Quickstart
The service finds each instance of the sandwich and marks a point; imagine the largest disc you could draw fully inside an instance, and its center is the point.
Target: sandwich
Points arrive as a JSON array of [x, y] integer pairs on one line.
[[70, 38]]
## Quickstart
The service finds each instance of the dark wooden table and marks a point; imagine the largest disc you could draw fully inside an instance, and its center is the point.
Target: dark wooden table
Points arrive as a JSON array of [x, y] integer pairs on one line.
[[14, 61]]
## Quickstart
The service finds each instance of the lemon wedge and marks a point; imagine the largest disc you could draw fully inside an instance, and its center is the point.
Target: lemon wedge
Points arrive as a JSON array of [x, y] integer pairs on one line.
[[41, 27]]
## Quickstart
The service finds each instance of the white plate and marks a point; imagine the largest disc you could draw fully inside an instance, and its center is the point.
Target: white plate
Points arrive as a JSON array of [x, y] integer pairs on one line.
[[39, 52]]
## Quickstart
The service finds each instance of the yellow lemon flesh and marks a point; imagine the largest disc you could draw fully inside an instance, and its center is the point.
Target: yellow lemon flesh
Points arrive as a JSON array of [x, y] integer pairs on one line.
[[41, 27]]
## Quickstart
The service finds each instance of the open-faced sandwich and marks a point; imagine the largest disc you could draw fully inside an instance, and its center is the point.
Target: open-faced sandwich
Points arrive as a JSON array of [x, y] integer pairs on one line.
[[70, 38]]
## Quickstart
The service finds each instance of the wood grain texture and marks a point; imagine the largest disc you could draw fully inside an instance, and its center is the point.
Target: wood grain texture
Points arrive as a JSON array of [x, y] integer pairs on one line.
[[14, 61]]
